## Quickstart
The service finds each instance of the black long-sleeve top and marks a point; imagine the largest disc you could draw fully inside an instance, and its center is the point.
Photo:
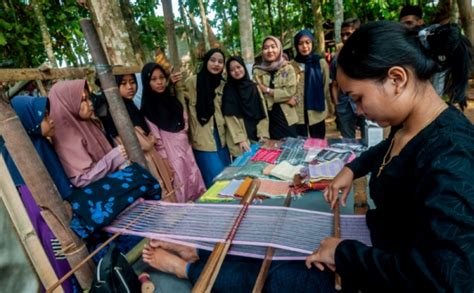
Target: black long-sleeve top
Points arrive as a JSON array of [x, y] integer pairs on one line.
[[422, 227]]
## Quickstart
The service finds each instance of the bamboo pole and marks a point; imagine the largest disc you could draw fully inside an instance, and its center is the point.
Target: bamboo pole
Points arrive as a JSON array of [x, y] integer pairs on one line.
[[43, 190], [267, 261], [115, 101], [17, 74], [27, 234], [211, 269]]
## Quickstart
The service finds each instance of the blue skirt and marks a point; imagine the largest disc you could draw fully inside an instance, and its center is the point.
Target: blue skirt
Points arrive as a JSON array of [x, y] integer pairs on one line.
[[212, 163]]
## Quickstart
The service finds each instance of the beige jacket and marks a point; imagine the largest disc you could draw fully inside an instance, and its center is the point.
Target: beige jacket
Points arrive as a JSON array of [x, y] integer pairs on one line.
[[313, 116], [236, 132], [202, 138], [285, 89]]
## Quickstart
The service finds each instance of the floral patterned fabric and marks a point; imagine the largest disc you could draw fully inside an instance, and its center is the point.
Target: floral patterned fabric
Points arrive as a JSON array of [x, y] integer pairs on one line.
[[97, 204]]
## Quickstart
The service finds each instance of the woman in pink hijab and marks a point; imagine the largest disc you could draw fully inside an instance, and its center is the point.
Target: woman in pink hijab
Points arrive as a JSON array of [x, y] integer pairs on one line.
[[80, 143]]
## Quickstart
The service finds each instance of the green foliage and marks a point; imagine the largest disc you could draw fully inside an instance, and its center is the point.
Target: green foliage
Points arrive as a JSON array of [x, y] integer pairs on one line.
[[21, 40], [151, 27]]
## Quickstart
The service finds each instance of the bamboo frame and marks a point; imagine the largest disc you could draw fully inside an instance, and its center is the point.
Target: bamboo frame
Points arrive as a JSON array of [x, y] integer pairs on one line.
[[211, 269], [25, 229], [92, 254], [29, 74]]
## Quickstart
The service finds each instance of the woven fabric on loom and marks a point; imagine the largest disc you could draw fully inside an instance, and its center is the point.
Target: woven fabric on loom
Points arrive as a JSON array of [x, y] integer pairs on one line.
[[273, 188], [293, 143], [245, 157], [212, 194], [285, 171], [295, 232], [327, 170], [315, 143], [329, 154], [268, 156], [252, 169], [311, 154], [293, 156], [228, 173], [231, 188], [271, 144]]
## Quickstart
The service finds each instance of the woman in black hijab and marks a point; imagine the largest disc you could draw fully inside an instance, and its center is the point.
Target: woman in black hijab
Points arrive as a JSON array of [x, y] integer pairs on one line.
[[168, 123], [243, 108], [158, 166], [202, 97]]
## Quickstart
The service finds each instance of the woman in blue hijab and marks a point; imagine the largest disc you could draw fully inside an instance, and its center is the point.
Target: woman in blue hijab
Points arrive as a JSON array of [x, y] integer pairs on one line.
[[34, 115], [312, 93]]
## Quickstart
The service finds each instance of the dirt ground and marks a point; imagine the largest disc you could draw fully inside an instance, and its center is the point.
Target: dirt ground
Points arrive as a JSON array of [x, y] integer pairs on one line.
[[331, 130]]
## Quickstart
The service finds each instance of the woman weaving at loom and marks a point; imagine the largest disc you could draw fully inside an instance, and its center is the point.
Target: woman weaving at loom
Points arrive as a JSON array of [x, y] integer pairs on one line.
[[424, 172]]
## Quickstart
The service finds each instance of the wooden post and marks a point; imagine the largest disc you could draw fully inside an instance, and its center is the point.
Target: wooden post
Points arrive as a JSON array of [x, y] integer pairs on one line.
[[43, 190], [25, 230], [117, 107], [214, 262]]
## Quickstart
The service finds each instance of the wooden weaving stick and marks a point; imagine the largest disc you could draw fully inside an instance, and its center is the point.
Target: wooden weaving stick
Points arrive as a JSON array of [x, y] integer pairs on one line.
[[337, 234], [267, 261], [211, 269]]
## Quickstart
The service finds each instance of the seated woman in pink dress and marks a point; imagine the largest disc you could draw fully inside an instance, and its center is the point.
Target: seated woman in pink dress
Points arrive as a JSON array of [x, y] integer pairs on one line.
[[82, 147], [106, 184], [168, 123]]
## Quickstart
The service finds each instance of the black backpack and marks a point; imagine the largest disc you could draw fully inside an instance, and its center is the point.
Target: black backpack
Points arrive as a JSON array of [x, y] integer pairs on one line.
[[114, 274]]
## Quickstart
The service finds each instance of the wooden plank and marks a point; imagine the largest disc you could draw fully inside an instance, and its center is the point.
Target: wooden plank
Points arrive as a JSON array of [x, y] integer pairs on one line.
[[17, 74]]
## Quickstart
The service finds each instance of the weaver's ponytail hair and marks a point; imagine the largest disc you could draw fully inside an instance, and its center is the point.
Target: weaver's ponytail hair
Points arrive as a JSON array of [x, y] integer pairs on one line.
[[377, 46], [452, 50]]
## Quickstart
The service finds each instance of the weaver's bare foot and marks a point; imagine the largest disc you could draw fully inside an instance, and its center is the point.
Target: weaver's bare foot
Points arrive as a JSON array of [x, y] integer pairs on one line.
[[187, 253], [164, 261]]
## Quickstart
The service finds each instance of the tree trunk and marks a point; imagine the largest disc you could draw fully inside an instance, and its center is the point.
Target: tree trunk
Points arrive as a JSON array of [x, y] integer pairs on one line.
[[246, 36], [280, 17], [270, 16], [205, 28], [318, 26], [48, 45], [228, 38], [140, 52], [170, 33], [189, 38], [338, 19], [115, 39], [465, 15]]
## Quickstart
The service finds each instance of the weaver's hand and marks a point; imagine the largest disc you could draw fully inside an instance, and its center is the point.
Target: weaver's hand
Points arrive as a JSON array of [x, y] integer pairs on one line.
[[341, 183], [244, 146], [324, 255]]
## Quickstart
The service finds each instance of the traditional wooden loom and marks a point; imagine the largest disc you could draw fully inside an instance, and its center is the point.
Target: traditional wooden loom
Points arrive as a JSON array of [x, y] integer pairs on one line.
[[49, 200], [38, 180]]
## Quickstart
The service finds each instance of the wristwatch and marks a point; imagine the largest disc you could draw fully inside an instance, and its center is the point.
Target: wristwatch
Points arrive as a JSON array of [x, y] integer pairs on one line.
[[267, 90]]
